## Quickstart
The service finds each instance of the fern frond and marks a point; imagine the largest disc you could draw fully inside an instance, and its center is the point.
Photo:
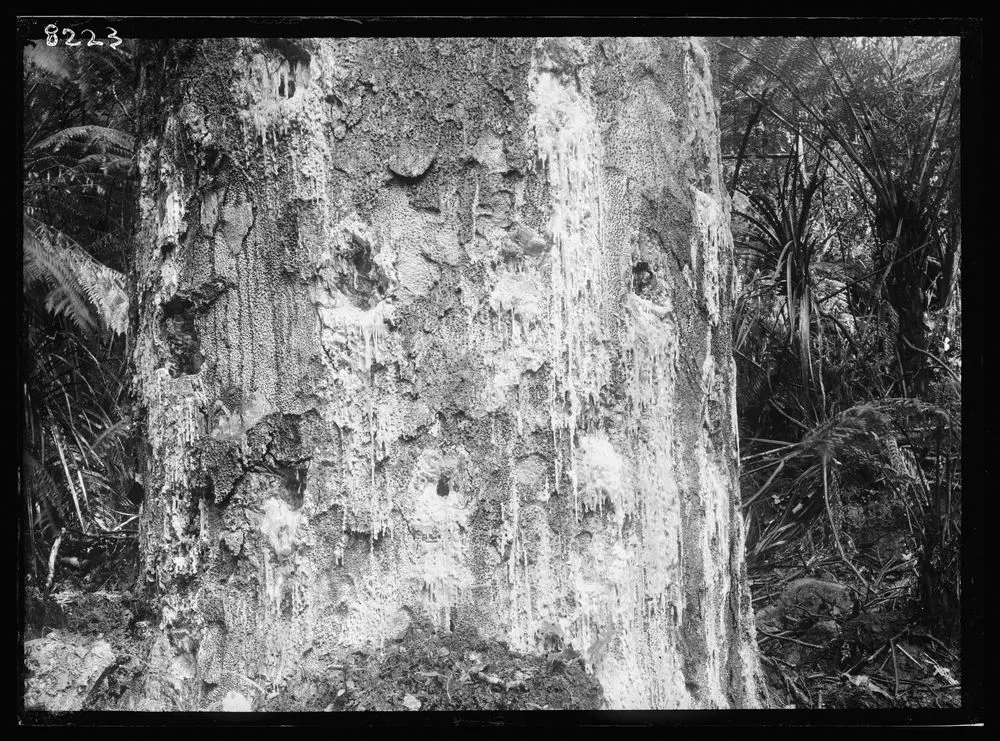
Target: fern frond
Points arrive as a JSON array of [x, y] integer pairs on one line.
[[65, 300], [79, 283], [105, 288], [54, 60], [86, 138], [66, 297]]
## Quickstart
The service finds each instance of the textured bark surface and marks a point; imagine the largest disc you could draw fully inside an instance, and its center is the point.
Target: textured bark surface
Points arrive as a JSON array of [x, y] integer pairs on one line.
[[441, 328]]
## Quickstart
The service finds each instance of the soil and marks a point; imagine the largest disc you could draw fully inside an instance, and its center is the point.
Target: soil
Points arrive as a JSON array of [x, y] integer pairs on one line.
[[75, 618], [423, 670], [431, 670]]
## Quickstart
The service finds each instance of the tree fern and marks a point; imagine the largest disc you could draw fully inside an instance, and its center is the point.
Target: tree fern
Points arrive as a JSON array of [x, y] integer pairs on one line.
[[103, 83]]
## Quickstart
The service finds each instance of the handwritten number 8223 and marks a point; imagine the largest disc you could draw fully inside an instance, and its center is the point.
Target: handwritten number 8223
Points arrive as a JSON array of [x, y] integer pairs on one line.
[[52, 37]]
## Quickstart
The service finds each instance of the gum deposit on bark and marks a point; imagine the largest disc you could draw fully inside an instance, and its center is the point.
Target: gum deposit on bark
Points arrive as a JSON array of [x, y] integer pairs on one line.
[[397, 360]]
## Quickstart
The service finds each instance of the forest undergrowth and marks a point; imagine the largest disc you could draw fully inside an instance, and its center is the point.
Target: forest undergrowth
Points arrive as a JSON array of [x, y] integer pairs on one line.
[[842, 159]]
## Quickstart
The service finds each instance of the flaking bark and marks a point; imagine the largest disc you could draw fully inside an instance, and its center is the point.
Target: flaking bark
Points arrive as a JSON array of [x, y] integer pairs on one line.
[[441, 328]]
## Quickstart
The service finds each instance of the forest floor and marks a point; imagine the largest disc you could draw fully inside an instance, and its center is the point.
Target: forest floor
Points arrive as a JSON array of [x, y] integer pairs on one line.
[[85, 647], [828, 642], [431, 670], [825, 643]]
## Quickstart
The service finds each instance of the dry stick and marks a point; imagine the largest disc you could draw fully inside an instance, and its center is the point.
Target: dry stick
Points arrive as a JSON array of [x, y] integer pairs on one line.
[[867, 659], [53, 555], [69, 481], [753, 456], [787, 416], [797, 693], [781, 465], [935, 358], [880, 649], [117, 528], [789, 638], [86, 497], [917, 663], [836, 536], [869, 274], [895, 670], [947, 650]]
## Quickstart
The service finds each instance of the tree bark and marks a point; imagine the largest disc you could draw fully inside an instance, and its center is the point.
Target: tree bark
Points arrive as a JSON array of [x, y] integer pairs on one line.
[[906, 291], [441, 328]]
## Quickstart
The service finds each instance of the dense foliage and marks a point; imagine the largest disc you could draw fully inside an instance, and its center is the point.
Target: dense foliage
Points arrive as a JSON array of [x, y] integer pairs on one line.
[[843, 159], [79, 174]]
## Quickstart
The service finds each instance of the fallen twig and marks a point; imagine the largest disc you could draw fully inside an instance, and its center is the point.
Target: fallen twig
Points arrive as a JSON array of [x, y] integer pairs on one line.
[[879, 650], [789, 638], [941, 643], [917, 663], [53, 555], [513, 684], [895, 671]]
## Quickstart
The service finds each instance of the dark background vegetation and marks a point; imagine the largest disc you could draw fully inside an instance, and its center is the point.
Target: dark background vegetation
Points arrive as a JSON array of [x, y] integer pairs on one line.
[[842, 156], [843, 159]]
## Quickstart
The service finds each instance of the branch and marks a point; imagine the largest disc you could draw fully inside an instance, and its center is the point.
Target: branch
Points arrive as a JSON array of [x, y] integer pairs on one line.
[[933, 357]]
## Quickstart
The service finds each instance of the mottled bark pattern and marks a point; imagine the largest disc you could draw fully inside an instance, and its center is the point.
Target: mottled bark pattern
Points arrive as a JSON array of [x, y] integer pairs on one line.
[[441, 327]]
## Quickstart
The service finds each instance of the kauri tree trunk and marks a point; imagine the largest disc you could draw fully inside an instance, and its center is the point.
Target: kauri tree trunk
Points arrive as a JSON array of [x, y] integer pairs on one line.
[[440, 329]]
